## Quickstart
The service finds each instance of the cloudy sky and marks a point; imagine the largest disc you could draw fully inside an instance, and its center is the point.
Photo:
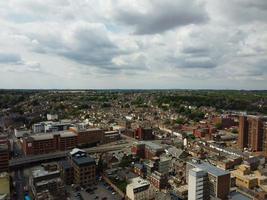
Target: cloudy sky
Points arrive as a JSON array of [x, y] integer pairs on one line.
[[133, 44]]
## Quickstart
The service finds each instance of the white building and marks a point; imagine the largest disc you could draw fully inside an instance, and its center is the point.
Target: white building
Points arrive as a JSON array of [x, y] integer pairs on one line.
[[20, 132], [52, 117], [197, 183], [139, 189]]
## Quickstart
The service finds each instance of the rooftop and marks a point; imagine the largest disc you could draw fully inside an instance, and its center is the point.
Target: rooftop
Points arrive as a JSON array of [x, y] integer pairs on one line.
[[208, 168], [83, 161], [138, 182]]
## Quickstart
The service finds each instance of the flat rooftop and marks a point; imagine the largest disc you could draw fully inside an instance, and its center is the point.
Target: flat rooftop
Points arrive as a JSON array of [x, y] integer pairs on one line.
[[208, 168], [138, 182], [83, 161]]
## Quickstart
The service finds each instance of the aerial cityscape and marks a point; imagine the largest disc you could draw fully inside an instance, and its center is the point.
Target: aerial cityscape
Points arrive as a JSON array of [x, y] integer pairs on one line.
[[133, 100], [133, 144]]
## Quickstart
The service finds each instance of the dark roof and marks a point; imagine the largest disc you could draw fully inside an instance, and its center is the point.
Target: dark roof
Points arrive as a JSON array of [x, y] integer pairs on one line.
[[83, 161], [65, 164]]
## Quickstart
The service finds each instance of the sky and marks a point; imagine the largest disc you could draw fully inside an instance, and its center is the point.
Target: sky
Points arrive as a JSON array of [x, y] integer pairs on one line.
[[133, 44]]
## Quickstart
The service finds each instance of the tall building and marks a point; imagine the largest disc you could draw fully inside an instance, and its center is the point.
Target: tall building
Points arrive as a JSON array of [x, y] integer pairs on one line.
[[197, 184], [144, 134], [79, 169], [4, 153], [251, 132], [243, 132], [218, 179]]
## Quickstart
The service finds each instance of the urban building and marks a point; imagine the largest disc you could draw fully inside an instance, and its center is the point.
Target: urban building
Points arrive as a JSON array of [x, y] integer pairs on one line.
[[251, 132], [147, 149], [47, 184], [139, 189], [82, 168], [50, 126], [4, 186], [246, 178], [89, 137], [4, 153], [218, 179], [21, 132], [198, 184], [225, 121], [66, 171], [111, 136], [144, 134], [162, 164], [49, 142], [158, 180], [52, 117]]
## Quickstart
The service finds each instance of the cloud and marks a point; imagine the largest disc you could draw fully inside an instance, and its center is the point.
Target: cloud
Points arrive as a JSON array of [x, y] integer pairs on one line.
[[160, 16], [10, 58], [130, 43], [86, 43]]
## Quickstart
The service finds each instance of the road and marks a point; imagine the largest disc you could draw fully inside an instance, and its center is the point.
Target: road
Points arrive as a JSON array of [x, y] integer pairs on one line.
[[29, 160]]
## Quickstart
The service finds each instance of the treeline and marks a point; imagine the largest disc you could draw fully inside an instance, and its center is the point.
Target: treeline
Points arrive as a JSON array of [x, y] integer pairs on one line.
[[237, 100]]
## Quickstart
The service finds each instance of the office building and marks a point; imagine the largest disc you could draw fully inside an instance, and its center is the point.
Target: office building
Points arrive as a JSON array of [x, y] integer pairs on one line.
[[218, 179], [197, 184], [111, 136], [79, 169], [49, 142], [89, 137], [50, 126]]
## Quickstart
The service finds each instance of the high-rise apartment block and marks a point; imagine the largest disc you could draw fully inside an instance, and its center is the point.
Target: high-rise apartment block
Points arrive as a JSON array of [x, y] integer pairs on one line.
[[252, 133]]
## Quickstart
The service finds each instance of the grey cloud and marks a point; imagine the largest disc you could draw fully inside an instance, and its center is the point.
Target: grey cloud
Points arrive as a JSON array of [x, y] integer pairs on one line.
[[10, 58], [163, 15], [244, 11], [86, 44]]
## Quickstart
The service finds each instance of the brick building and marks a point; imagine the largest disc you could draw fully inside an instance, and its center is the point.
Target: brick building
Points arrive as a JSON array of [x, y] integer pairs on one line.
[[4, 153], [147, 150], [225, 121], [88, 137], [159, 180], [79, 169], [252, 133], [144, 134], [111, 136], [47, 143]]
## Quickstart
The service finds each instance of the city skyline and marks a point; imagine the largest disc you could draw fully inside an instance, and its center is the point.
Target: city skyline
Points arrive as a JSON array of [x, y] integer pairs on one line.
[[107, 44]]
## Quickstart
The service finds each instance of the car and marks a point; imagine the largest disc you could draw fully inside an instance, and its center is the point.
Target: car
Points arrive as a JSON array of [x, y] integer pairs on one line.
[[113, 193]]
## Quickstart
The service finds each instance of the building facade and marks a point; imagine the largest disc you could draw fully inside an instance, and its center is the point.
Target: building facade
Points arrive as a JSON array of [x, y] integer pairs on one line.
[[218, 179], [197, 184], [251, 133]]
